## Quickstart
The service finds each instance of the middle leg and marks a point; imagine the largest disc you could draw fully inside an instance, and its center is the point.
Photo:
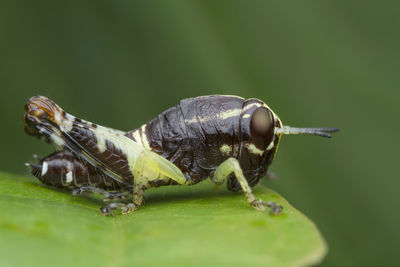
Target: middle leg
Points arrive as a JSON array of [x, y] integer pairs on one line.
[[108, 196], [126, 207]]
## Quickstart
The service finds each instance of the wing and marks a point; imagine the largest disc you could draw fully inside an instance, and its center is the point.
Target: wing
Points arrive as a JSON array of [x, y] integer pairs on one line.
[[108, 150], [119, 156]]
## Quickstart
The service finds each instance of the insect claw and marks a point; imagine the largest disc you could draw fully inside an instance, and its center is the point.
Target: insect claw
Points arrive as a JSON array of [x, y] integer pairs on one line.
[[275, 209], [76, 192], [261, 206], [125, 208], [258, 205], [106, 211], [129, 208]]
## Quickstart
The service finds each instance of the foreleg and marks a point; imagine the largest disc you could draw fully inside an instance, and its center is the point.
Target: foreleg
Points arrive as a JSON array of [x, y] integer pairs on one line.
[[232, 165]]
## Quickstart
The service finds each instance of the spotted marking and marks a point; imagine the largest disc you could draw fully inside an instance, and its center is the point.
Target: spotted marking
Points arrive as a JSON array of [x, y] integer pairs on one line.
[[101, 143], [136, 136], [67, 125], [145, 142], [58, 115], [254, 150], [45, 167], [67, 122], [225, 149], [69, 177]]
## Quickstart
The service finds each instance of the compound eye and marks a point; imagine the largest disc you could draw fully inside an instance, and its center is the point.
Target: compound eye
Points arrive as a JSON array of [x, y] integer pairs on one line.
[[262, 128]]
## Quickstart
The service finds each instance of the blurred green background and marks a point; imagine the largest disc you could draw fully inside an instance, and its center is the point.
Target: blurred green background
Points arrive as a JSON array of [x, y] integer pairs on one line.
[[316, 63]]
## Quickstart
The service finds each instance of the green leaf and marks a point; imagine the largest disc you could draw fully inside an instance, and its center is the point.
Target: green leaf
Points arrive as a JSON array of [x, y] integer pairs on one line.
[[197, 225]]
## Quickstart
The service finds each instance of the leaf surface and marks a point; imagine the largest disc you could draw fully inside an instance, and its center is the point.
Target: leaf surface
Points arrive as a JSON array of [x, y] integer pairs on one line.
[[177, 225]]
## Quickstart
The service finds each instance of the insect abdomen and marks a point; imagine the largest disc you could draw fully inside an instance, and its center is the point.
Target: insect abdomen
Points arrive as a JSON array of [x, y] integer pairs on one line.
[[62, 169]]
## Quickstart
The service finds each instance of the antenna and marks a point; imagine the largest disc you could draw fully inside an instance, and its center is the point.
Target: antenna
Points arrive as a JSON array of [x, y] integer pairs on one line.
[[324, 132]]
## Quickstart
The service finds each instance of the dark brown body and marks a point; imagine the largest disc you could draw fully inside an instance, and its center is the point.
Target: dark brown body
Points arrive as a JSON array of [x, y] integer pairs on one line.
[[212, 136], [197, 136], [61, 169], [191, 135]]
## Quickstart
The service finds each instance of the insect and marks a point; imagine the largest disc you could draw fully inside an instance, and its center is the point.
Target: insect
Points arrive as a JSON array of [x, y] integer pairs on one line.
[[226, 138]]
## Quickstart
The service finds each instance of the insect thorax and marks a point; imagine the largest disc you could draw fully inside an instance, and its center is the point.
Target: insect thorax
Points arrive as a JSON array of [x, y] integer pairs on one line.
[[200, 133]]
